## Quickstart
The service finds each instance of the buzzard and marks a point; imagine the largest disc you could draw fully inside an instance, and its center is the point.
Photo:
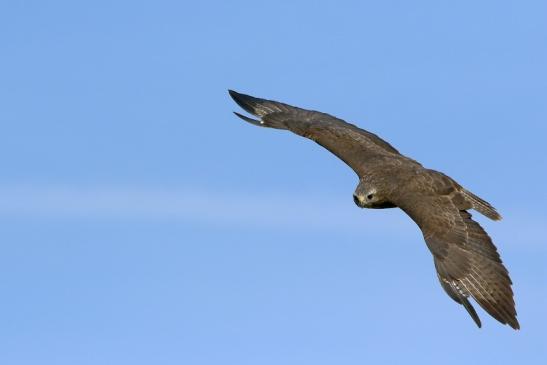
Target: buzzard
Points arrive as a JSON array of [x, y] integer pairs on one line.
[[466, 260]]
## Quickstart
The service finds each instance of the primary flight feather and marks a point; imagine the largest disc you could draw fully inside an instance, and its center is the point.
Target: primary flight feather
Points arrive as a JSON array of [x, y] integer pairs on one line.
[[466, 260]]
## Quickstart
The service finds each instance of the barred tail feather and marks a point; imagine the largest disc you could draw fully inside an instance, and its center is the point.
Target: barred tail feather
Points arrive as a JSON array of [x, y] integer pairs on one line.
[[482, 206]]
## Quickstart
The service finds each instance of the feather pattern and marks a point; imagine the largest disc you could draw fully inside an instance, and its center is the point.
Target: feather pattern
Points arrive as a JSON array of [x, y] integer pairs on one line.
[[468, 264]]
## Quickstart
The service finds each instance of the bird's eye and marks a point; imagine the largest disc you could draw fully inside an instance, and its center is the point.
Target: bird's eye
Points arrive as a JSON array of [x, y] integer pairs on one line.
[[369, 196]]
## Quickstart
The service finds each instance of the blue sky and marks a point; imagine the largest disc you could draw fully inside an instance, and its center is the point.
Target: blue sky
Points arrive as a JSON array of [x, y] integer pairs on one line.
[[143, 223]]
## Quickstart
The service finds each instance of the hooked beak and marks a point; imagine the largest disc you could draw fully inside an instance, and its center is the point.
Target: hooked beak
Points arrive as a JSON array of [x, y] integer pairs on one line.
[[359, 200]]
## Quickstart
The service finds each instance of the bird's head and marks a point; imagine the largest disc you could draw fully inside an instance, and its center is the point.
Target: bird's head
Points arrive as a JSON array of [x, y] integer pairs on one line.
[[366, 196]]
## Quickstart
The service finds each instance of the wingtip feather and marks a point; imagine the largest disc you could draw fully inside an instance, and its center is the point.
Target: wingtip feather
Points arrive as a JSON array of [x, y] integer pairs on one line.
[[250, 120], [514, 324], [471, 311], [233, 93], [246, 102]]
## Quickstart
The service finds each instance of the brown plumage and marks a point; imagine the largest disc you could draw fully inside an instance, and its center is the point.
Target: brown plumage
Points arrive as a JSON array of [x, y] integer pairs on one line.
[[466, 260]]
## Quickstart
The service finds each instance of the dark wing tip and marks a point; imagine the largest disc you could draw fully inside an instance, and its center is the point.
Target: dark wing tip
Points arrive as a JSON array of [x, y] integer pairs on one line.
[[514, 324], [247, 102], [471, 311], [233, 93], [250, 120]]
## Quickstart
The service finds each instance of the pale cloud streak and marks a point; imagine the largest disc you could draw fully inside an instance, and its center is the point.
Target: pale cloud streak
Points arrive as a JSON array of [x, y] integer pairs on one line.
[[234, 209], [188, 204]]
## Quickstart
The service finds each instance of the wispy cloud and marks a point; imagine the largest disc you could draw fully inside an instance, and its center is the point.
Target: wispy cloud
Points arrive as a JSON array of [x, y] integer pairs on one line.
[[188, 204], [262, 210]]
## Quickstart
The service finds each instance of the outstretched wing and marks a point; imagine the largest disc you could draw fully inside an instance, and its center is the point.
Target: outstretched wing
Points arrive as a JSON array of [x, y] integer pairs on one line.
[[466, 260], [351, 144]]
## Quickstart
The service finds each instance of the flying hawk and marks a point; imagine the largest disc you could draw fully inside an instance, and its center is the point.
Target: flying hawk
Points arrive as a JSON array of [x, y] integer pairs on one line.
[[466, 260]]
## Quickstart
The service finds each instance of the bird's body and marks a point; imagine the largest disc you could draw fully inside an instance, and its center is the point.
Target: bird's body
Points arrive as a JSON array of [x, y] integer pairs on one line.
[[466, 260]]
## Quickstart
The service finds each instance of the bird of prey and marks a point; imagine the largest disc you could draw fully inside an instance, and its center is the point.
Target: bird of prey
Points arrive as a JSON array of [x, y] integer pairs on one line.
[[466, 260]]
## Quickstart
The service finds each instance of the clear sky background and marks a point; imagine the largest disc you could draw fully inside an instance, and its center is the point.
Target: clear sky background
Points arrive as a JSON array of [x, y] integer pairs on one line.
[[143, 223]]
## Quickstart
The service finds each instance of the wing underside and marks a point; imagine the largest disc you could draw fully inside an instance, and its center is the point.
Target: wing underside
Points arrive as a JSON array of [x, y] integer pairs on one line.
[[466, 260], [351, 144]]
